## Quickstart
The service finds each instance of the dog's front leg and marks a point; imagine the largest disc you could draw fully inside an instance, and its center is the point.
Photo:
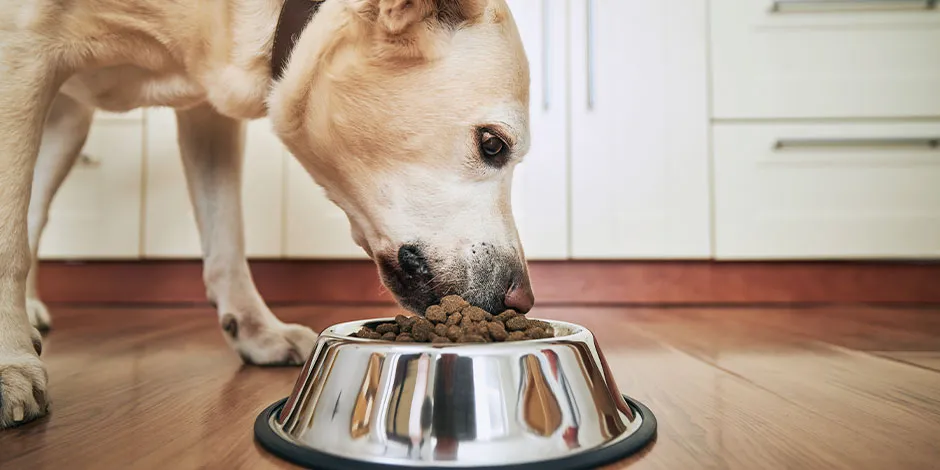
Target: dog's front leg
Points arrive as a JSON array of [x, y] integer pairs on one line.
[[63, 137], [27, 87], [212, 149]]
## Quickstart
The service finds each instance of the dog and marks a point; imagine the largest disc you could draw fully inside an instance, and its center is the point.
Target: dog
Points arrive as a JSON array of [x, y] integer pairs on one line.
[[411, 114]]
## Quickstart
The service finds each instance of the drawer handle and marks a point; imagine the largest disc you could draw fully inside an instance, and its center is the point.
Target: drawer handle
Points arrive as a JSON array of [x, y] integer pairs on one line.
[[780, 5], [932, 143], [546, 55], [589, 19]]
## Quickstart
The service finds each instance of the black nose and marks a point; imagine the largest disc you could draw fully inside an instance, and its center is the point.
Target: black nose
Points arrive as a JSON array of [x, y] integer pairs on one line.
[[412, 261]]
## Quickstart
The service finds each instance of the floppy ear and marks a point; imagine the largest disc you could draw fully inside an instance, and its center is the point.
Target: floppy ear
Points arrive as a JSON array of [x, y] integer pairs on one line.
[[399, 17], [413, 29]]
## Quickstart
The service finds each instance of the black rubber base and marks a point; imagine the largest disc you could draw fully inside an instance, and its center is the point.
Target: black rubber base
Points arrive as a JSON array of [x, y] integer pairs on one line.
[[309, 458]]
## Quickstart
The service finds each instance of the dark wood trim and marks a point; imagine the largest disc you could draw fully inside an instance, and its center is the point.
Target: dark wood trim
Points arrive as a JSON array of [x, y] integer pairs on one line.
[[555, 282]]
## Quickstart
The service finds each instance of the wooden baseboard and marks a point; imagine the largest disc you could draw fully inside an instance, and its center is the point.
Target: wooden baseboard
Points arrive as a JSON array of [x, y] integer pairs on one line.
[[555, 282]]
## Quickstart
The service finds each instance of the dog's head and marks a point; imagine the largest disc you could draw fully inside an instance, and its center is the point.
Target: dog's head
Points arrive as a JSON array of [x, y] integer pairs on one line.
[[412, 115]]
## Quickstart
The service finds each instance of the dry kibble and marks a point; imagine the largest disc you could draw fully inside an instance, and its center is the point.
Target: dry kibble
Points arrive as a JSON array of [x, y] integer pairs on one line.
[[466, 321], [474, 313], [404, 323], [436, 314], [506, 315], [471, 339], [517, 324], [422, 330], [454, 320], [453, 303], [517, 336], [498, 331]]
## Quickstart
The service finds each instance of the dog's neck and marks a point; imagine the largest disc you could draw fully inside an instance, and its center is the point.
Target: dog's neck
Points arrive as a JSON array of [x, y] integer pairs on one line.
[[294, 17]]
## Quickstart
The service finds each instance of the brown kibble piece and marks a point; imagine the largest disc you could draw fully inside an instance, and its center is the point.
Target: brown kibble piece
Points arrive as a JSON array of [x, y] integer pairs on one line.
[[517, 324], [471, 339], [454, 318], [422, 330], [516, 336], [436, 314], [385, 328], [475, 313], [404, 338], [466, 321], [441, 339], [497, 331], [453, 303], [536, 333], [506, 315], [453, 332], [404, 323], [440, 329], [389, 336]]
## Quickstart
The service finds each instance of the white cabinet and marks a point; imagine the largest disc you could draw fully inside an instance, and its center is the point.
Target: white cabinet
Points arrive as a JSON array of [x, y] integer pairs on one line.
[[170, 224], [843, 59], [639, 129], [96, 212], [315, 227], [841, 190], [540, 185]]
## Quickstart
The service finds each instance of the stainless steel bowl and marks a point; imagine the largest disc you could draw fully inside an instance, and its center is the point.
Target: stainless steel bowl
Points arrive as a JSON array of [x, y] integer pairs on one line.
[[371, 404]]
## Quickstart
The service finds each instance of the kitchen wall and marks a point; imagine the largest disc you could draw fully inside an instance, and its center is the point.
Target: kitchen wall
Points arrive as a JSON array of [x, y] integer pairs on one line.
[[666, 129]]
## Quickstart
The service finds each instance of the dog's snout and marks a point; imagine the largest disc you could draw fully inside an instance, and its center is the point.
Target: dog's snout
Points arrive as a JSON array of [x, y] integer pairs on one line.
[[520, 297], [412, 261]]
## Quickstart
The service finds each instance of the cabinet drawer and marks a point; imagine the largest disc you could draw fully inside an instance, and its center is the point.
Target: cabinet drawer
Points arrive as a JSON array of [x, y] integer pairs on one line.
[[827, 191], [825, 59]]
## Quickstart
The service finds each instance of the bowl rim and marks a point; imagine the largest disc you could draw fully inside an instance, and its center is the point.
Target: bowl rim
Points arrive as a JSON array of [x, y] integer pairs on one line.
[[341, 331]]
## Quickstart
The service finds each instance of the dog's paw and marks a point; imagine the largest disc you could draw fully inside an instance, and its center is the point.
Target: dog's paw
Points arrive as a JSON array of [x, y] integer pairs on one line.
[[268, 344], [38, 314], [23, 381]]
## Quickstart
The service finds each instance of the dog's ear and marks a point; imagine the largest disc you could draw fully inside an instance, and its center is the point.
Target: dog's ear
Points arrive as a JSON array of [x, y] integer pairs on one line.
[[400, 18]]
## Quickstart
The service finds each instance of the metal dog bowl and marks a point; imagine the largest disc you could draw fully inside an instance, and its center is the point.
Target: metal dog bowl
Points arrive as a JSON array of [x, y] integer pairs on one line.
[[537, 404]]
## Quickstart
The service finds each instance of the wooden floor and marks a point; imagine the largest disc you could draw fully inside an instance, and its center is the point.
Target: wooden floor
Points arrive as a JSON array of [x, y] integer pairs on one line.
[[742, 388]]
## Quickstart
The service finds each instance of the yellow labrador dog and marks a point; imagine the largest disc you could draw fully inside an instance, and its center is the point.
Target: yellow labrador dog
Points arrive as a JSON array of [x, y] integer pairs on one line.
[[411, 114]]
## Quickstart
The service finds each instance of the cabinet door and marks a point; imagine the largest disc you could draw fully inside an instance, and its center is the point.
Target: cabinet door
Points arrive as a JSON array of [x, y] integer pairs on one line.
[[639, 129], [170, 224], [833, 59], [315, 227], [96, 212], [833, 190], [540, 184]]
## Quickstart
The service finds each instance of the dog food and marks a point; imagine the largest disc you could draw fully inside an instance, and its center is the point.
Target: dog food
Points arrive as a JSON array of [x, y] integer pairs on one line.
[[454, 320]]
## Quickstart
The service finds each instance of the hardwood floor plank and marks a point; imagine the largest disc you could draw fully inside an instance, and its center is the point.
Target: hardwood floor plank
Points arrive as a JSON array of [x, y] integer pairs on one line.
[[897, 405]]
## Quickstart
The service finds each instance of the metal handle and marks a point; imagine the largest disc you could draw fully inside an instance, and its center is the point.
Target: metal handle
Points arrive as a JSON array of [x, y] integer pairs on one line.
[[87, 160], [780, 5], [546, 55], [590, 53], [932, 143]]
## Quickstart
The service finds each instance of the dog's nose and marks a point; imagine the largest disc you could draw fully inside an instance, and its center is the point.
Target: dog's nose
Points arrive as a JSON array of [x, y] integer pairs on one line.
[[412, 261], [519, 297]]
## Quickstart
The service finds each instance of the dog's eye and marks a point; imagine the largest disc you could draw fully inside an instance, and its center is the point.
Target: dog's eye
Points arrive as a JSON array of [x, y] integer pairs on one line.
[[493, 148]]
